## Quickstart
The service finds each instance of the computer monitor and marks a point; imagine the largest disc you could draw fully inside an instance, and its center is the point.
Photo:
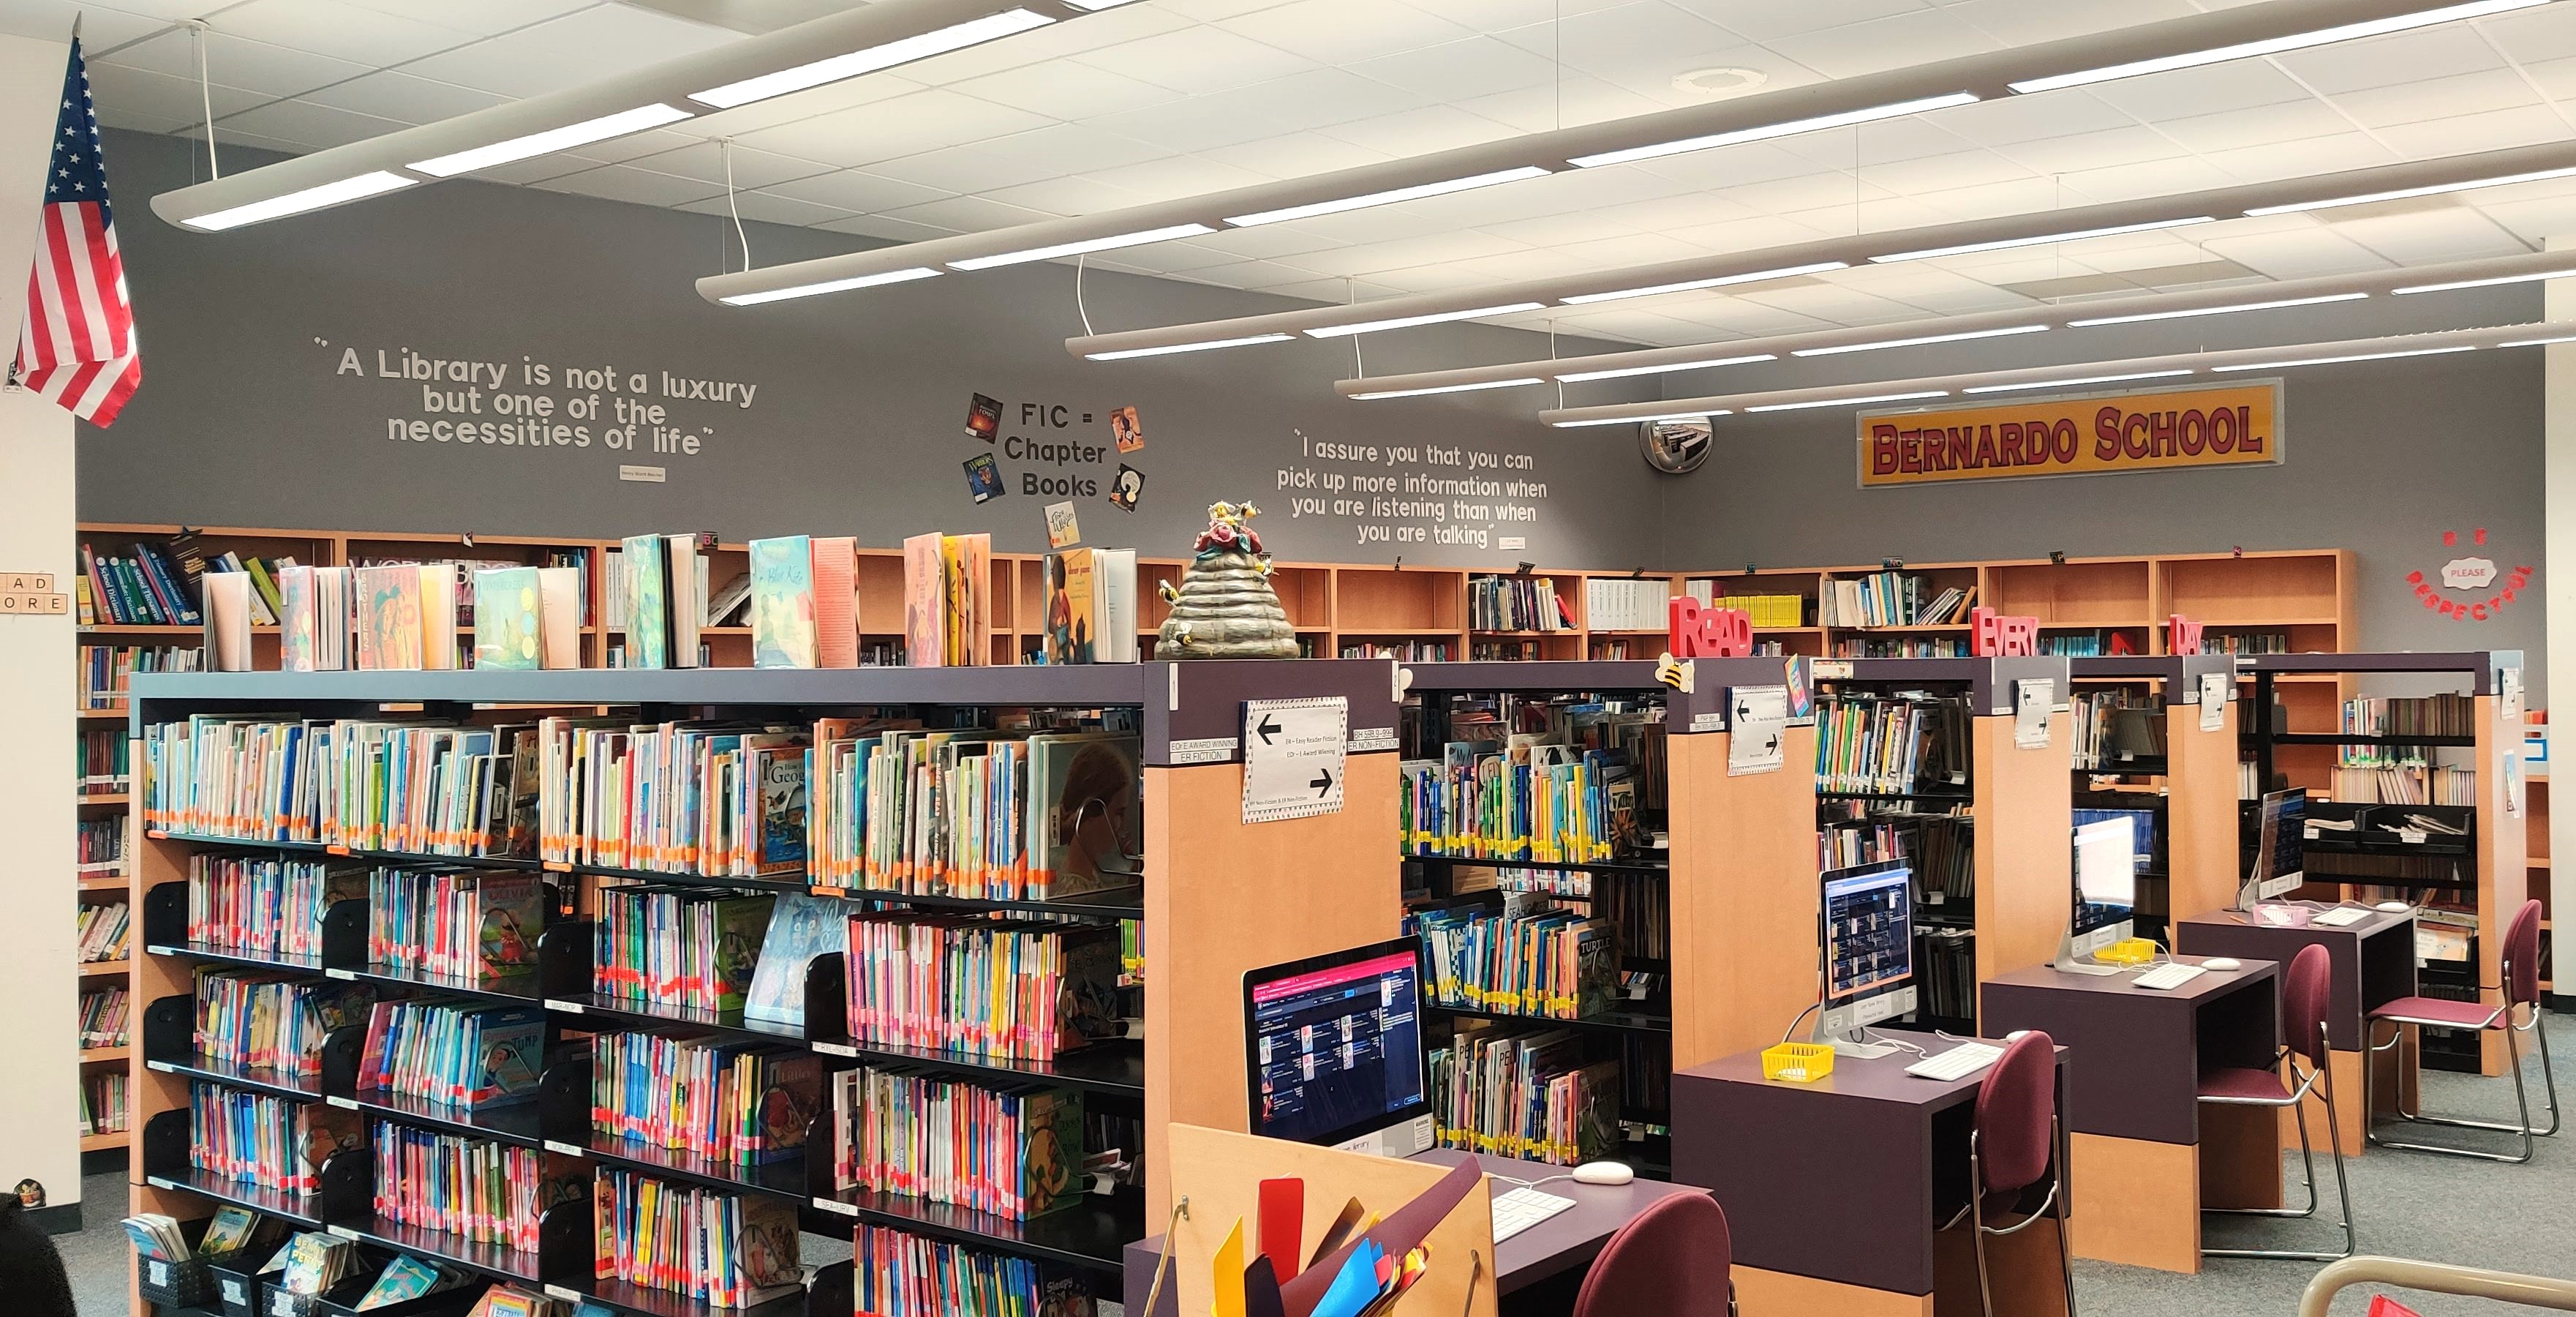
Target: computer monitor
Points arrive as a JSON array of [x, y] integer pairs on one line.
[[2105, 888], [1334, 1050], [2280, 837], [1868, 947]]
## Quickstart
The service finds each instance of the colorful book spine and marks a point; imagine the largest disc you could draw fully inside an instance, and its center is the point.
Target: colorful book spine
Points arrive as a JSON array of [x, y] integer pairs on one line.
[[725, 1102], [685, 949], [1024, 991], [1013, 1152], [721, 1249], [265, 1141], [478, 1190], [900, 1274]]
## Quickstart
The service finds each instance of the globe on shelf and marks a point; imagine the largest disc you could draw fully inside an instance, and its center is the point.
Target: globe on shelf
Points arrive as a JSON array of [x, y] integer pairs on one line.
[[1225, 608]]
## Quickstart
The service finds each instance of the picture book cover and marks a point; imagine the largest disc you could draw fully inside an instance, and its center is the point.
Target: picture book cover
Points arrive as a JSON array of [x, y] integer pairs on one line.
[[684, 601], [969, 561], [740, 923], [769, 1259], [559, 617], [800, 928], [1071, 615], [506, 636], [296, 631], [1064, 525], [925, 601], [1086, 813], [648, 624], [404, 1279], [777, 766], [1050, 1151], [790, 1097], [836, 602], [983, 417], [438, 615], [511, 1055], [783, 604], [389, 618], [513, 912], [983, 478]]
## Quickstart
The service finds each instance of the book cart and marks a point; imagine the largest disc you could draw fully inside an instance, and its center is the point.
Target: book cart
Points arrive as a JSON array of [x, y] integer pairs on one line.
[[1208, 879], [2470, 881], [1982, 810], [1728, 907]]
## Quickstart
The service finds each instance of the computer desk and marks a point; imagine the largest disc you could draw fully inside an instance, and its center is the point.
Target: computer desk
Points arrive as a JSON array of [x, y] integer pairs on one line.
[[2147, 1155], [1832, 1189], [2370, 964], [1566, 1241]]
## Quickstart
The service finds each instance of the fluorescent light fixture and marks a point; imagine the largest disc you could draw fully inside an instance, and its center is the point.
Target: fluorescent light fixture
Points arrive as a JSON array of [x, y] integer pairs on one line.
[[1840, 349], [1078, 248], [312, 198], [551, 140], [1387, 198], [2077, 236], [1638, 420], [2538, 342], [1407, 322], [2275, 45], [2400, 194], [1848, 402], [2081, 379], [833, 286], [2484, 283], [2218, 310], [919, 46], [1212, 344], [1452, 388], [1765, 132], [2358, 356], [1577, 377], [1721, 281]]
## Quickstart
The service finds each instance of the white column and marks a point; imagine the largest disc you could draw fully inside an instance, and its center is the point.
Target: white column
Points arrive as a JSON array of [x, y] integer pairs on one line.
[[39, 1042], [2558, 579]]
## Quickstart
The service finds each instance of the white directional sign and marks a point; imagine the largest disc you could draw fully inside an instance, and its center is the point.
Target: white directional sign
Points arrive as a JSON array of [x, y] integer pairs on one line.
[[1293, 756]]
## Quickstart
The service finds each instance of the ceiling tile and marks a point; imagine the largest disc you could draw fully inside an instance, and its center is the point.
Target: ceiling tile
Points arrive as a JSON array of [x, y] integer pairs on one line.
[[1063, 89], [880, 226], [305, 121], [236, 62], [2492, 131], [2114, 148], [848, 93], [2534, 221], [2454, 233], [2438, 98], [768, 208], [1178, 130], [1577, 99], [1563, 230], [2209, 89], [401, 96], [1336, 32], [142, 123], [1197, 60], [1336, 290], [1067, 196], [621, 183], [481, 18], [1751, 235], [1768, 20], [114, 88], [2295, 255], [1916, 37], [629, 37], [2433, 52], [341, 31], [579, 47], [1256, 274], [1179, 176], [958, 169], [102, 30], [534, 170], [2266, 126], [1417, 132], [2065, 113], [854, 190], [2315, 155], [1458, 70], [967, 214], [1369, 258], [906, 125], [1992, 200], [619, 150], [1944, 172], [2543, 32], [2028, 22], [1295, 155], [1111, 27], [705, 162]]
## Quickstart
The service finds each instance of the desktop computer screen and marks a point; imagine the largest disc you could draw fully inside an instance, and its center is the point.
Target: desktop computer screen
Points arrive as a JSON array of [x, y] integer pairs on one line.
[[1869, 952], [2106, 884], [2280, 839], [1335, 1050]]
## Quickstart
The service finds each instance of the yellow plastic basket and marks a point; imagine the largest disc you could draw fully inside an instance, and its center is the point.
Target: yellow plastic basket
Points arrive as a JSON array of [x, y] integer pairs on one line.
[[1797, 1063]]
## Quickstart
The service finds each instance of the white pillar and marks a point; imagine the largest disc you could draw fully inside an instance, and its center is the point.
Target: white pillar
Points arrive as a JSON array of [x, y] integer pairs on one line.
[[39, 1031], [2558, 579]]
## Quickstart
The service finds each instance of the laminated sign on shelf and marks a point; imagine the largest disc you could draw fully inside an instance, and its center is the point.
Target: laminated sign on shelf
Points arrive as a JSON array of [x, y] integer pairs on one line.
[[2213, 700], [2034, 698], [1761, 712], [1293, 756]]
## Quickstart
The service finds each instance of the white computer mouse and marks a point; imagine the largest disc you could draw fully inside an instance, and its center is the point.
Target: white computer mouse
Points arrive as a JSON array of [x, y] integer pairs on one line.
[[2222, 962], [1603, 1173], [2394, 907]]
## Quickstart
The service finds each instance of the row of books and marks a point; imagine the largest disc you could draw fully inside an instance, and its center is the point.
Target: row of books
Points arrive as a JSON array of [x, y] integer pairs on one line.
[[1505, 651], [1404, 651], [268, 1021], [685, 948], [2423, 715], [101, 847], [1891, 599], [1510, 1091], [2086, 644], [457, 923], [103, 1018], [1533, 799], [453, 1053], [725, 1250], [1012, 1151], [102, 932], [1613, 603], [975, 813], [900, 1274], [100, 761], [2390, 870], [1022, 990], [106, 1102], [364, 784], [724, 1102], [265, 1141], [1939, 847], [1091, 612], [265, 906], [2244, 642], [661, 600], [1553, 964], [948, 605], [407, 616], [804, 603], [147, 587], [475, 1189], [718, 799], [2402, 783], [1766, 610], [1888, 746], [1516, 603], [2113, 726], [1945, 972], [107, 671], [1900, 647]]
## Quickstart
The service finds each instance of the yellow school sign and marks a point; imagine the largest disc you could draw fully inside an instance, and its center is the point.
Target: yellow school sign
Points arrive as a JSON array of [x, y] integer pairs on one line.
[[2235, 425]]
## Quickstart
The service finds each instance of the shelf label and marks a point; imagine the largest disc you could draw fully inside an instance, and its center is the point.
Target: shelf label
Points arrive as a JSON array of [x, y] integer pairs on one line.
[[236, 1293], [568, 1007], [342, 1231], [1761, 717], [351, 975], [1294, 756], [564, 1292], [2413, 836], [1203, 750], [836, 1049], [1708, 722], [1369, 739], [836, 1206], [2034, 698], [281, 1303], [1832, 669], [345, 1104], [2213, 700], [159, 949], [566, 1149], [162, 1066], [158, 1270]]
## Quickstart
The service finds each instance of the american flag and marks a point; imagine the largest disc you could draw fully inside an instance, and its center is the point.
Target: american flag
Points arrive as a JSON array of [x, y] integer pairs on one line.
[[77, 346]]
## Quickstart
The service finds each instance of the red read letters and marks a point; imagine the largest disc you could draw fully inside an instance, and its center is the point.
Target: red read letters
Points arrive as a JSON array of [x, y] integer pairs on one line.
[[1993, 635], [1692, 631], [2182, 635]]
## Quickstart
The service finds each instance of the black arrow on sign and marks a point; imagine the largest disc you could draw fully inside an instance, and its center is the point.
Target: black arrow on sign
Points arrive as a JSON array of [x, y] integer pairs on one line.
[[1269, 726], [1323, 783]]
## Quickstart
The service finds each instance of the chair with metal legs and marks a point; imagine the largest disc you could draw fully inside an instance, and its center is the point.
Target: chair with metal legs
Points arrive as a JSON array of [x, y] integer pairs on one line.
[[2305, 993], [2017, 1141], [2521, 987]]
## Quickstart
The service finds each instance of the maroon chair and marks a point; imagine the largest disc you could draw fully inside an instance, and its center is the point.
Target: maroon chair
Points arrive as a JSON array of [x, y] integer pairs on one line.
[[1673, 1260], [2521, 987], [2018, 1141], [2306, 991]]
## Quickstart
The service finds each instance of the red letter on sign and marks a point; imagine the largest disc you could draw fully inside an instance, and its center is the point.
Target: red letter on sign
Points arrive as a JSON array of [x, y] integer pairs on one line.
[[1882, 452], [1681, 627], [1993, 635], [1725, 633], [2182, 635]]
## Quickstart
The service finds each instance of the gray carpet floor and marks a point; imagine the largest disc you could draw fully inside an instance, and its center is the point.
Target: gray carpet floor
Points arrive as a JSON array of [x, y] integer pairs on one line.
[[2443, 1209]]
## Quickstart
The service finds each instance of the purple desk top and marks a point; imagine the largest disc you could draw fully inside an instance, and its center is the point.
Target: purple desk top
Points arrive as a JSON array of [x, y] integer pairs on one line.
[[2215, 983], [2370, 963], [1566, 1240], [2136, 1054], [1882, 1079]]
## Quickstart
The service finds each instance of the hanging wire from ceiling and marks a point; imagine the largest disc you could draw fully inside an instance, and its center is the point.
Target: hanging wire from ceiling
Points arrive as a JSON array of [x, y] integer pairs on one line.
[[724, 145], [1079, 263], [205, 93]]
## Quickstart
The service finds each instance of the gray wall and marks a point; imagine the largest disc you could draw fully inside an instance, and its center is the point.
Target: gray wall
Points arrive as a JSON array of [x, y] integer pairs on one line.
[[857, 427], [2380, 457]]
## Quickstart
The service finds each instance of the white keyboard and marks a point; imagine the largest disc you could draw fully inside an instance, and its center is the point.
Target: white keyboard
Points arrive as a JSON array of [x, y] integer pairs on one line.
[[2341, 916], [2171, 974], [1958, 1063], [1522, 1208]]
